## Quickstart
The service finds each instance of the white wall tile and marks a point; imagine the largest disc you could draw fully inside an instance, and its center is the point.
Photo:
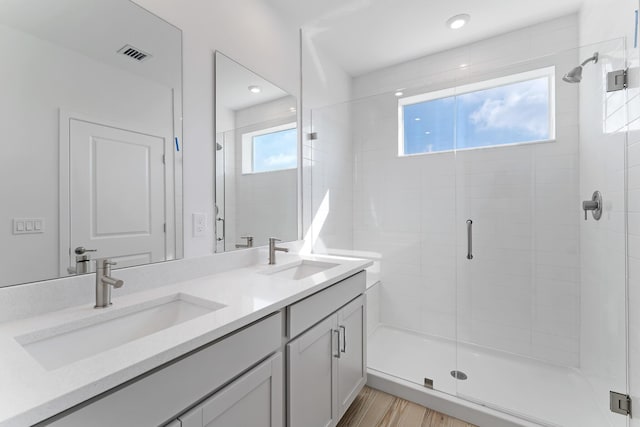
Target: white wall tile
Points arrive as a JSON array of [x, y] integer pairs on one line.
[[413, 210]]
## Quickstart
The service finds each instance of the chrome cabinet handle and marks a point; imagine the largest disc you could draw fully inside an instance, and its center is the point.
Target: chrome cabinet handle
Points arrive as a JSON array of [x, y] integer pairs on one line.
[[337, 332], [469, 239], [344, 339]]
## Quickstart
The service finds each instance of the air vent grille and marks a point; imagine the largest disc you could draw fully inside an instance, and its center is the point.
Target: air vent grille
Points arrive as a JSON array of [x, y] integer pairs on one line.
[[134, 53]]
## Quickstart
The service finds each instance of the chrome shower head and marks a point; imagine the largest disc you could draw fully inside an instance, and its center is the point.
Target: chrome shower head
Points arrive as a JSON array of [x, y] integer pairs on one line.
[[575, 75]]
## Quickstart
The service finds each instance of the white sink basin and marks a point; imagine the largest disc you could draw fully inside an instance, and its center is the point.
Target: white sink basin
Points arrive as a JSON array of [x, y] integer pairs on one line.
[[301, 269], [58, 346]]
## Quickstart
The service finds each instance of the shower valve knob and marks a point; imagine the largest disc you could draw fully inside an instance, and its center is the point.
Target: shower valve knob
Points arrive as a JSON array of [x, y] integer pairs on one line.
[[594, 205]]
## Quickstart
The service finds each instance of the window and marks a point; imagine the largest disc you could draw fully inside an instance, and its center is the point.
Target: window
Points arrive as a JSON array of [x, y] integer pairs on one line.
[[509, 110], [271, 149]]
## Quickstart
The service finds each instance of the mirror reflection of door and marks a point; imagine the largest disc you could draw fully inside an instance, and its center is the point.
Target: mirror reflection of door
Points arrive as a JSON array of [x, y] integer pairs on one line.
[[117, 193], [220, 208]]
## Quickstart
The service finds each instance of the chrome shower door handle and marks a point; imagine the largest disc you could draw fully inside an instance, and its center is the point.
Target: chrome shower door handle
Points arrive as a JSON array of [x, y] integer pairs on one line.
[[469, 239]]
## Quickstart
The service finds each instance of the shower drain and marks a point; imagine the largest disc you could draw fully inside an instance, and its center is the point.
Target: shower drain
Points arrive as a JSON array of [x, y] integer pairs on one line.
[[459, 375]]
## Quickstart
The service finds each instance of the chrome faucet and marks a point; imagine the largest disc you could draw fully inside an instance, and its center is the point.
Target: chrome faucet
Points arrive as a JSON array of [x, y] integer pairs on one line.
[[273, 248], [249, 242], [104, 281]]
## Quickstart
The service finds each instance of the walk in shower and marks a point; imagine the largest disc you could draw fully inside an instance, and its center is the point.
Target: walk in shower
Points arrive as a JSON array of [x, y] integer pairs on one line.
[[467, 184]]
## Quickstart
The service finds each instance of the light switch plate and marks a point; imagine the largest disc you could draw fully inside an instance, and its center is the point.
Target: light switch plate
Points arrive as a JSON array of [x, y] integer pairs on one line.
[[28, 225], [199, 224]]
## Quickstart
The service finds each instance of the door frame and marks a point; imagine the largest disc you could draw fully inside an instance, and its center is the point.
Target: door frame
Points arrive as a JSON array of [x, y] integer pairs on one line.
[[64, 182]]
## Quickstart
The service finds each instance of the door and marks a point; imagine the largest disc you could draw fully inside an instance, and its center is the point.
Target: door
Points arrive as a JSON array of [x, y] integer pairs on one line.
[[117, 193], [253, 400], [541, 283], [220, 206], [352, 364], [312, 391]]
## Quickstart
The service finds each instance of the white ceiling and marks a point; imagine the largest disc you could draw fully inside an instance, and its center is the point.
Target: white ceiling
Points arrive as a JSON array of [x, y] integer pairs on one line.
[[365, 35], [97, 29], [232, 86]]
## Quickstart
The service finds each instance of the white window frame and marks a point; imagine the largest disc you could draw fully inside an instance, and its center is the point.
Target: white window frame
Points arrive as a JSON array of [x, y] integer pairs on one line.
[[548, 72], [247, 147]]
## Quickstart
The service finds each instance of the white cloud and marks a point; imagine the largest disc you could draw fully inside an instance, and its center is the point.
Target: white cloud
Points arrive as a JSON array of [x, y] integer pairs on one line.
[[281, 160], [519, 107]]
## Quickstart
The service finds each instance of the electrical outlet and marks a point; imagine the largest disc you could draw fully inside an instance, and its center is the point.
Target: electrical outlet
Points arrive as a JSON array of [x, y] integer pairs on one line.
[[199, 224]]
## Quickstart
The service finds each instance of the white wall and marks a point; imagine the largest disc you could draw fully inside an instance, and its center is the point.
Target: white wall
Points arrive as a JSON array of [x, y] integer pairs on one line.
[[41, 79], [603, 336], [252, 33], [520, 293]]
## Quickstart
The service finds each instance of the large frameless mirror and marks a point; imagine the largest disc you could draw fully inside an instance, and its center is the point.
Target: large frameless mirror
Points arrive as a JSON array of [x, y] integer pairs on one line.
[[91, 111], [257, 159]]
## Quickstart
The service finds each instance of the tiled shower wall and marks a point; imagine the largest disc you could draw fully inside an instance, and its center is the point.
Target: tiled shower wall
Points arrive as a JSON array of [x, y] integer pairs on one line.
[[521, 292]]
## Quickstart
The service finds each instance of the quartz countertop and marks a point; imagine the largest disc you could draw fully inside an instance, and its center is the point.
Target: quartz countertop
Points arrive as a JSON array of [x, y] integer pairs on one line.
[[30, 393]]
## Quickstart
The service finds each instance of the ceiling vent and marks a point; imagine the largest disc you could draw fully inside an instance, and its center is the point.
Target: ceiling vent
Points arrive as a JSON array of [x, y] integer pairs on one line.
[[134, 53]]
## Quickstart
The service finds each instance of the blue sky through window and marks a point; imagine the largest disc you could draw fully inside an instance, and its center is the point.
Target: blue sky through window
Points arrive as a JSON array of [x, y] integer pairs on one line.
[[275, 151], [513, 113]]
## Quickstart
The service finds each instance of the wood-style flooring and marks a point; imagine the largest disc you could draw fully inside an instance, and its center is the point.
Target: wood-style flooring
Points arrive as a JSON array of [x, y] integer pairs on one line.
[[373, 408]]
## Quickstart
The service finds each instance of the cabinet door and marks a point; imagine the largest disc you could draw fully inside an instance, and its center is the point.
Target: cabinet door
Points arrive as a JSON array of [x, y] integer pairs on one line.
[[352, 364], [312, 373], [255, 400]]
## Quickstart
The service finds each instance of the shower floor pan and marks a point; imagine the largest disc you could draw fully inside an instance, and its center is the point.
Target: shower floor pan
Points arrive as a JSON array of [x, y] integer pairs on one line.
[[542, 393]]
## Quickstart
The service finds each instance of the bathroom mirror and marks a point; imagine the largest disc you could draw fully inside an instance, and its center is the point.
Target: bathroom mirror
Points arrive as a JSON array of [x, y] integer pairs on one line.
[[257, 159], [91, 116]]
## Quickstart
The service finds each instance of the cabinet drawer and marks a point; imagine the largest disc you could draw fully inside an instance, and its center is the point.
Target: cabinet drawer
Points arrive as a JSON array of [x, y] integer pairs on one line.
[[306, 313], [156, 398]]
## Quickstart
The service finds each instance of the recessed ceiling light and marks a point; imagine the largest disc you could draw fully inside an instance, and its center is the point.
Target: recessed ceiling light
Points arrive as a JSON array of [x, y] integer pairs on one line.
[[399, 93], [254, 89], [458, 21], [464, 65]]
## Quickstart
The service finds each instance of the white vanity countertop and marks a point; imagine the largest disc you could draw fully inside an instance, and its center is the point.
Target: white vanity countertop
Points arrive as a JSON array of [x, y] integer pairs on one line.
[[29, 393]]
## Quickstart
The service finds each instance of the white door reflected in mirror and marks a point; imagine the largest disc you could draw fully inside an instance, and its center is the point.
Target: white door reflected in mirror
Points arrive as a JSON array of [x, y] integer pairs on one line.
[[117, 194]]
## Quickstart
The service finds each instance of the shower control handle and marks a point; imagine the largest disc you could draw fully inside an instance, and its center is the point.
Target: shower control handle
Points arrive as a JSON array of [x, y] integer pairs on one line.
[[594, 205], [469, 239]]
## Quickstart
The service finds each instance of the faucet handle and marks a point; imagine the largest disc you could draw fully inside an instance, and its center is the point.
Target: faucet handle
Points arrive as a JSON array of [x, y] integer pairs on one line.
[[274, 239], [104, 262]]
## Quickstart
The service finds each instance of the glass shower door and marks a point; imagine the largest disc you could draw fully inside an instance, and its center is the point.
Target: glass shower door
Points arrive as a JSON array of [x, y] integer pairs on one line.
[[541, 291]]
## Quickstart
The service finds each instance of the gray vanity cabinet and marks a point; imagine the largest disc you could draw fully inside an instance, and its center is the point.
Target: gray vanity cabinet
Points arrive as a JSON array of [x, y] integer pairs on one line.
[[163, 394], [255, 399], [327, 363], [312, 376], [352, 364]]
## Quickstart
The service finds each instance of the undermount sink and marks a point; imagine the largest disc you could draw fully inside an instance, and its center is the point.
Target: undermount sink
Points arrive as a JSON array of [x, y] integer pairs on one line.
[[301, 269], [59, 346]]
